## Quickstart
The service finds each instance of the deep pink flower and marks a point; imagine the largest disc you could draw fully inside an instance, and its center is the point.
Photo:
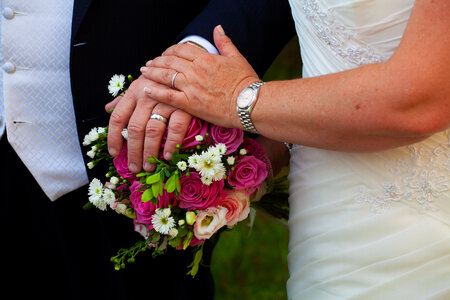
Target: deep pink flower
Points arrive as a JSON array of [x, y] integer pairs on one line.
[[196, 195], [248, 174], [145, 211], [231, 137], [121, 164], [196, 127]]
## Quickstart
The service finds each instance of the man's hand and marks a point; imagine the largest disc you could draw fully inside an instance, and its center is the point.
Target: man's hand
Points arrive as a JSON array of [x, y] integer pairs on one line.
[[133, 110]]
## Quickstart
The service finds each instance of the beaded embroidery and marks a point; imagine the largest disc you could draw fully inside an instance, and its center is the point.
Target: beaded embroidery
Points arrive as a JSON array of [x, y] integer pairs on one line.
[[340, 40], [421, 179]]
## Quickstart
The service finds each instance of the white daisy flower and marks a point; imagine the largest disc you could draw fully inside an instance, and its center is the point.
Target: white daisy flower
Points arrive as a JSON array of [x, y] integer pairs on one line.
[[242, 151], [199, 138], [108, 196], [221, 148], [125, 133], [116, 84], [95, 193], [162, 221], [210, 166], [193, 161], [182, 165]]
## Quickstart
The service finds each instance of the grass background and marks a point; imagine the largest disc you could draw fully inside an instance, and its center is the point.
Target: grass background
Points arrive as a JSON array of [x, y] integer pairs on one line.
[[250, 262]]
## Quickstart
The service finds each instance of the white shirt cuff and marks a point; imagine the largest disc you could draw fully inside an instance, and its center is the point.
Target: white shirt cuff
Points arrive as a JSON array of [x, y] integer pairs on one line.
[[202, 42]]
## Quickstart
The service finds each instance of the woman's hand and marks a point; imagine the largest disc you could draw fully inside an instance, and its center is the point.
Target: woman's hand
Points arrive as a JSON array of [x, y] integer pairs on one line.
[[207, 85]]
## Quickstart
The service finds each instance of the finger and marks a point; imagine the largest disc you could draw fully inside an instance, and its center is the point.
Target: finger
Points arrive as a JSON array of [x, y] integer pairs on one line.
[[118, 121], [170, 96], [111, 105], [171, 63], [166, 77], [177, 128], [154, 133], [136, 134], [224, 43], [186, 51]]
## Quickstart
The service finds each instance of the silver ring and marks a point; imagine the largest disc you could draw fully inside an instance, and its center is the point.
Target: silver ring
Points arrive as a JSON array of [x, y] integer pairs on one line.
[[173, 80], [159, 118]]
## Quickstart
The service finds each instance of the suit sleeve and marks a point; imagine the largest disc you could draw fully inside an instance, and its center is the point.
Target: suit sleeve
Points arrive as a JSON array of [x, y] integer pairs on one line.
[[259, 28]]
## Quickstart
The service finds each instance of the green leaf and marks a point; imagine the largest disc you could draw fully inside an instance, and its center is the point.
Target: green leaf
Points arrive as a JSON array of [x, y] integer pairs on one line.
[[147, 195], [153, 178], [171, 183], [195, 264], [142, 174], [153, 160], [182, 231], [187, 240], [175, 242], [178, 185]]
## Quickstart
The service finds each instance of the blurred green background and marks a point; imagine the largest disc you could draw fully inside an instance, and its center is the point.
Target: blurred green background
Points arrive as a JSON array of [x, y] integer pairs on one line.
[[251, 262]]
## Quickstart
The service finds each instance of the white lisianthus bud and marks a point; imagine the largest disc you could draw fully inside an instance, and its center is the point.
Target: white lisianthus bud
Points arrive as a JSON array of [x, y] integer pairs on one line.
[[173, 232], [181, 222], [199, 138], [114, 180], [191, 217], [242, 151], [91, 154], [230, 160], [125, 133], [182, 165]]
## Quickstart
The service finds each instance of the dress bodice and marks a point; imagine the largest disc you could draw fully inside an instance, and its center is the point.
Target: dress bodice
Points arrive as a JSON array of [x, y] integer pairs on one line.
[[365, 225]]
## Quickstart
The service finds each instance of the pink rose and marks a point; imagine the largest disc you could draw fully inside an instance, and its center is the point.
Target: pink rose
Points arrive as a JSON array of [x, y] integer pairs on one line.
[[145, 210], [209, 221], [248, 174], [231, 137], [196, 195], [238, 206], [196, 127], [121, 164]]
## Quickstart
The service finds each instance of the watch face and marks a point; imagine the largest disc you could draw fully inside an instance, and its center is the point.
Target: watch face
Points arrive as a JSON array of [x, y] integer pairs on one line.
[[245, 98]]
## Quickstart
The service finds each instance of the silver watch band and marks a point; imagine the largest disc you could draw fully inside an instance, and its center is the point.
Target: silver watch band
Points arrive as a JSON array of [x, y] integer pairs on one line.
[[244, 114]]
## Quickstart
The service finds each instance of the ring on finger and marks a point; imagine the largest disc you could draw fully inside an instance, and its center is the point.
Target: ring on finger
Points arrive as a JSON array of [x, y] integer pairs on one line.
[[172, 82], [159, 118]]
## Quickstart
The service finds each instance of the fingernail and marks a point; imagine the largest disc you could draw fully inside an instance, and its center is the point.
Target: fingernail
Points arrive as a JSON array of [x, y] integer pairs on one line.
[[147, 90], [112, 151], [149, 167], [144, 69], [168, 156], [220, 29], [148, 63], [133, 168]]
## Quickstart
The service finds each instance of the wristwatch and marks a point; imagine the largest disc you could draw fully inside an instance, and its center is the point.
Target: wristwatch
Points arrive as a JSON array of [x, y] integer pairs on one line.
[[245, 103]]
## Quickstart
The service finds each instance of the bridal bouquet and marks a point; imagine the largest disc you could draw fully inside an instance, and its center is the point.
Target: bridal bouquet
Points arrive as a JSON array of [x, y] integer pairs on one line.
[[207, 186]]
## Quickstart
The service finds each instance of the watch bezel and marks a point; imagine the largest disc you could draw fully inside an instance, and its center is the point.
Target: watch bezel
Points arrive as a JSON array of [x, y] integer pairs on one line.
[[246, 107]]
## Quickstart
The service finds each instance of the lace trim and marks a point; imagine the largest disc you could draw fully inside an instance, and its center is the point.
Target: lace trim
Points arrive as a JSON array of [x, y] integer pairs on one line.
[[337, 37], [421, 179]]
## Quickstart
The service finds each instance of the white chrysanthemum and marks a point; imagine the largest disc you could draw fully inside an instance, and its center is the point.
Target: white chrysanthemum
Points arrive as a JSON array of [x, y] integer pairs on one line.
[[162, 221], [93, 134], [206, 180], [101, 130], [108, 196], [199, 138], [193, 161], [125, 133], [116, 84], [95, 193], [182, 165], [210, 166], [231, 160], [242, 151]]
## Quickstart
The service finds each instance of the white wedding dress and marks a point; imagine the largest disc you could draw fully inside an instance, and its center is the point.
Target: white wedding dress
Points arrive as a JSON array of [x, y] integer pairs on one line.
[[365, 225]]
